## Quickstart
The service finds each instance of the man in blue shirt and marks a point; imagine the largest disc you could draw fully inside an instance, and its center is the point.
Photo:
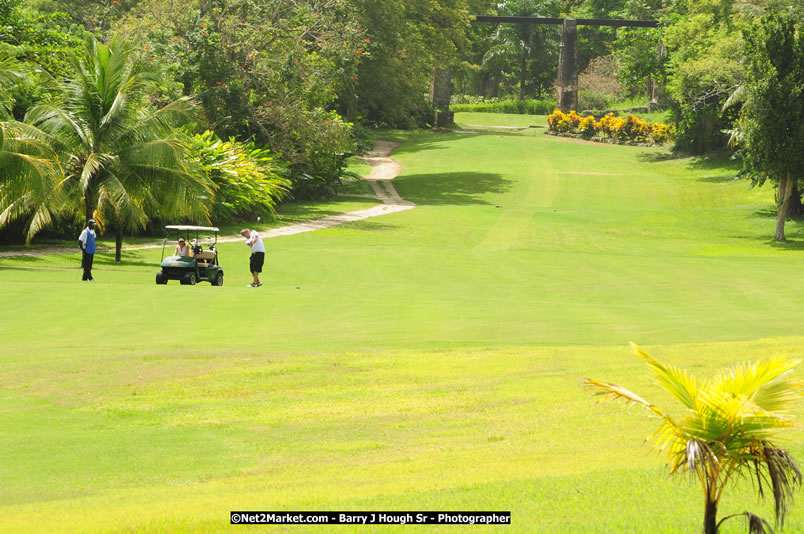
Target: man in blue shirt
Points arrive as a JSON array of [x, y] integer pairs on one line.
[[86, 242]]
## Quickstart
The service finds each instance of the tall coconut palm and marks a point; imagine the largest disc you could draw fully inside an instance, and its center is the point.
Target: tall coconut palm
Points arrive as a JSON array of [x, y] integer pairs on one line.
[[726, 429], [122, 159]]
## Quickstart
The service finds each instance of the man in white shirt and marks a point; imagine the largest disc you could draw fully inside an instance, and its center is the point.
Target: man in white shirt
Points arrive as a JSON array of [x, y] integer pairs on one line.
[[254, 241]]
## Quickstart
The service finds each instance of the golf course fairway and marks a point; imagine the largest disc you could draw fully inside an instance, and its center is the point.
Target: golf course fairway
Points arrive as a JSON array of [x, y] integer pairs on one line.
[[431, 359]]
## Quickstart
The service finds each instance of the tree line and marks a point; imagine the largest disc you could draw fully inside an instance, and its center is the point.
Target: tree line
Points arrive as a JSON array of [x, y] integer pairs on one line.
[[238, 105]]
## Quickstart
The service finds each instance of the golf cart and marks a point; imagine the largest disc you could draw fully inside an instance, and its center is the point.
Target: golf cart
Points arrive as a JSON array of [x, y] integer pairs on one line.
[[202, 266]]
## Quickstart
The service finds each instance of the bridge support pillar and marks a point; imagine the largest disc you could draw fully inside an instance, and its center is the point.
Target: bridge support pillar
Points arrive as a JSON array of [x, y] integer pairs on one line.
[[567, 91]]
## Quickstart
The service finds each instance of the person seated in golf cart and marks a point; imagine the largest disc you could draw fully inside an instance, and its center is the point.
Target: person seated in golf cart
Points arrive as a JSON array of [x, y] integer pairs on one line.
[[183, 249]]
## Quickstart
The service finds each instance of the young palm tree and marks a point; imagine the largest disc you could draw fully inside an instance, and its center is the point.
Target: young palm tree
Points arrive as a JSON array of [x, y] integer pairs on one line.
[[122, 159], [726, 429]]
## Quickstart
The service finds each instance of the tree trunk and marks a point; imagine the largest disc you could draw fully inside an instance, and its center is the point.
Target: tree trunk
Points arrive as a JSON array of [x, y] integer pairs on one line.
[[786, 185], [89, 206], [710, 517], [118, 242], [523, 75]]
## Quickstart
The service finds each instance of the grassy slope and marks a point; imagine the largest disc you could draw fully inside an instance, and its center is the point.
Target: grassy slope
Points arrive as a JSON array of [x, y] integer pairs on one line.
[[423, 360]]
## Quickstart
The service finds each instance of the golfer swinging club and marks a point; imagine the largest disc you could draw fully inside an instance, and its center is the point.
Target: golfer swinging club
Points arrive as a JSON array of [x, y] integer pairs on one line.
[[254, 241]]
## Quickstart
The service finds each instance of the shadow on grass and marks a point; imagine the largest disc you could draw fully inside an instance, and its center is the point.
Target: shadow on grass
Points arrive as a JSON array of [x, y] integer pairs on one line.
[[368, 225], [794, 233], [718, 162], [457, 188], [722, 179], [788, 244], [766, 213], [127, 259], [70, 259], [701, 162], [656, 157], [423, 140]]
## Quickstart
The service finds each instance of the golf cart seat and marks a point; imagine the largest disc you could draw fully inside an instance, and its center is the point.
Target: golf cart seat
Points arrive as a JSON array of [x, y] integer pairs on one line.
[[204, 257]]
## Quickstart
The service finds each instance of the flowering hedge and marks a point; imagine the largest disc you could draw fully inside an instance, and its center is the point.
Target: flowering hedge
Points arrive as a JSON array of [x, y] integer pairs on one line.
[[631, 129]]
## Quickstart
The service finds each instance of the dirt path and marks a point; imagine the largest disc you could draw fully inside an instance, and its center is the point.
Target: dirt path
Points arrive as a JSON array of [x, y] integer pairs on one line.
[[383, 171]]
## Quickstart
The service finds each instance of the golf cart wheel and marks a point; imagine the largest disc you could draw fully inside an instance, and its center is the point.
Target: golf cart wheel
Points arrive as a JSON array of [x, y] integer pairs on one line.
[[188, 279], [161, 278], [218, 281]]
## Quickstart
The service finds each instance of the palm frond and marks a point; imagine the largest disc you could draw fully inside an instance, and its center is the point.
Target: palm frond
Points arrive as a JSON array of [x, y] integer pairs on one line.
[[64, 130], [756, 525], [128, 210], [94, 165], [677, 382], [41, 219], [159, 124], [738, 96], [769, 384], [10, 72], [615, 392], [749, 8], [783, 475], [31, 178], [697, 457]]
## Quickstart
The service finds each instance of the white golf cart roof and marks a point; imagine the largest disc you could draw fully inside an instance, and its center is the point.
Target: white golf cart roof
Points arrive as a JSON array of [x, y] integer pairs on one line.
[[185, 227]]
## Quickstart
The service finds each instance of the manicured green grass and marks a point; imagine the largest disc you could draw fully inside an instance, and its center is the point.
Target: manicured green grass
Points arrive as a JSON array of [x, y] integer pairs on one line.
[[533, 124], [358, 166], [429, 359], [355, 187]]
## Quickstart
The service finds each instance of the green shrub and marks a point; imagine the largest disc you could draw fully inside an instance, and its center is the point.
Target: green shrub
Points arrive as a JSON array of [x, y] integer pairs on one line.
[[514, 107], [594, 101], [316, 144], [248, 180]]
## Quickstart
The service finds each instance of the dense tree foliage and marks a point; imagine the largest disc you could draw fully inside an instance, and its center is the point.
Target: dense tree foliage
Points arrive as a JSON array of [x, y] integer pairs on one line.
[[773, 116], [408, 39], [525, 47], [300, 80]]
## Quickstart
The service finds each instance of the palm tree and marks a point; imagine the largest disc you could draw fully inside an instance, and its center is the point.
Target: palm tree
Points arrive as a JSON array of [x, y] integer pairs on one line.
[[31, 177], [9, 75], [30, 168], [726, 429], [122, 159], [517, 43]]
